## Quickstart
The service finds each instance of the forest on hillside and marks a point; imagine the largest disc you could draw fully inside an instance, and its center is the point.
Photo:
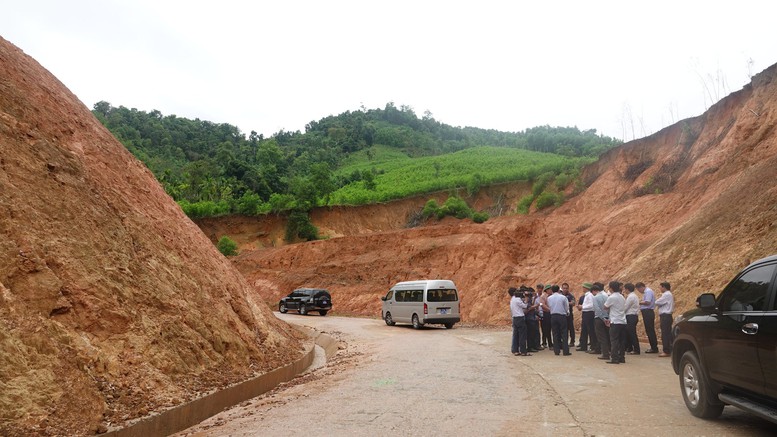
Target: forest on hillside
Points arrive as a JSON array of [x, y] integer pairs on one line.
[[214, 168]]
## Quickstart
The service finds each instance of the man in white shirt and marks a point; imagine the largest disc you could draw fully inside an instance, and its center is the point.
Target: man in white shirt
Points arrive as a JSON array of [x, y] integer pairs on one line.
[[559, 310], [517, 307], [587, 323], [632, 318], [665, 304], [616, 306]]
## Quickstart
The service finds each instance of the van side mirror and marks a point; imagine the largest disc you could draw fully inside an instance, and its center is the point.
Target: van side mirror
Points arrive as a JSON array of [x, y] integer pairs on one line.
[[706, 301]]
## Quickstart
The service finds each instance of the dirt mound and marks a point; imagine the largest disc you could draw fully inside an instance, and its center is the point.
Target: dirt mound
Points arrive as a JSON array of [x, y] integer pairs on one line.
[[690, 204], [113, 304]]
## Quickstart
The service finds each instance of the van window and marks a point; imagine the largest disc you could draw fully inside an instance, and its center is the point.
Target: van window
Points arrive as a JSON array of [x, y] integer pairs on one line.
[[447, 295], [390, 295], [418, 296]]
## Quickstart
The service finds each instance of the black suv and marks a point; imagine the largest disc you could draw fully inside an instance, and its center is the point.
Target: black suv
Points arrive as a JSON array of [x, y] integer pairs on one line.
[[725, 351], [307, 299]]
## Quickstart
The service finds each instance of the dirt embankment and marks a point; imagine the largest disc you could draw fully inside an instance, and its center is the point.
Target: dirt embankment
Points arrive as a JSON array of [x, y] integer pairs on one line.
[[690, 204], [256, 233], [113, 304]]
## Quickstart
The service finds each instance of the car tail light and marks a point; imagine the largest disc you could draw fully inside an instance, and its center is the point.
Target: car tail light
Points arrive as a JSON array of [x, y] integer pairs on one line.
[[426, 309]]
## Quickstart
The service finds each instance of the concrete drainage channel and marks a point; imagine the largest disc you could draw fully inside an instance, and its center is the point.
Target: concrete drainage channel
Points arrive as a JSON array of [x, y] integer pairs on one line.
[[189, 414]]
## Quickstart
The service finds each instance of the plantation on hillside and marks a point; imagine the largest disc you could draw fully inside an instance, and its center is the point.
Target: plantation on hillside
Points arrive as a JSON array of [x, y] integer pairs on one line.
[[398, 176], [353, 158]]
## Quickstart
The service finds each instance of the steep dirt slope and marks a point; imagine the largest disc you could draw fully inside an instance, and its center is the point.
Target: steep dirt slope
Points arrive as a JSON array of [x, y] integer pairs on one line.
[[112, 303], [690, 204]]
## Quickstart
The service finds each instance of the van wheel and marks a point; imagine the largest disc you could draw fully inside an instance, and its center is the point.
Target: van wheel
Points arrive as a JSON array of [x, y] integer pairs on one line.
[[695, 388], [389, 321], [416, 323], [282, 308], [449, 326], [303, 311]]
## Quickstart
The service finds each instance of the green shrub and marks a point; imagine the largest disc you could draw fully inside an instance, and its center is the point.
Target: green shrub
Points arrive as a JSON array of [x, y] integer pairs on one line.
[[227, 246], [542, 181], [525, 203], [457, 207], [564, 179], [430, 209], [480, 217], [249, 204], [547, 199], [300, 226], [474, 183]]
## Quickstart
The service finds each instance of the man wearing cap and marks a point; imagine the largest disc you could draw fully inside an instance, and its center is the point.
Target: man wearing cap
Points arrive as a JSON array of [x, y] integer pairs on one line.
[[586, 307], [559, 310]]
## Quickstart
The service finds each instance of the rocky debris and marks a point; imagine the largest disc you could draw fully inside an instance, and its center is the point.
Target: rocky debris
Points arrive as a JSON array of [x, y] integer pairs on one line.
[[113, 305]]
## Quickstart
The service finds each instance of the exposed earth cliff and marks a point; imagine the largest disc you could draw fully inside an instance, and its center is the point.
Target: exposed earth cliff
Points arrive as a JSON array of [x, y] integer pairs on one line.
[[690, 204], [112, 303]]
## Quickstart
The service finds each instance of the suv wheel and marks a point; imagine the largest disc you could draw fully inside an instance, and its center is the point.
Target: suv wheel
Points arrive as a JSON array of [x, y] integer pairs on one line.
[[696, 389], [449, 326], [389, 321], [416, 323], [322, 312], [282, 308], [303, 310]]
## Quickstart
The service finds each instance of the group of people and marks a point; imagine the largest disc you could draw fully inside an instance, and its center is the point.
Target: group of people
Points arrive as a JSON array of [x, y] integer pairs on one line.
[[543, 317]]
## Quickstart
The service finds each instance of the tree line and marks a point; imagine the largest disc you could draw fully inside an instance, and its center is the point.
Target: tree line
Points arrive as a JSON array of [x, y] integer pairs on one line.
[[214, 168]]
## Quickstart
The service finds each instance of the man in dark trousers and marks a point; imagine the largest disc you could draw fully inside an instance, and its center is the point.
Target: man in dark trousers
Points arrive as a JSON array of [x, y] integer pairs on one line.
[[571, 316], [600, 321], [647, 307], [559, 310], [517, 307], [586, 307], [532, 321], [544, 292], [665, 305]]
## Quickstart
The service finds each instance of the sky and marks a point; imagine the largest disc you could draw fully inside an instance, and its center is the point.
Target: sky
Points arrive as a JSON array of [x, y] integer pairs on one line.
[[624, 68]]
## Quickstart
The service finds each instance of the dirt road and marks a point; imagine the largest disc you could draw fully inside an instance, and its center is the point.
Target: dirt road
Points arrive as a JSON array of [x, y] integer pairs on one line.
[[399, 381]]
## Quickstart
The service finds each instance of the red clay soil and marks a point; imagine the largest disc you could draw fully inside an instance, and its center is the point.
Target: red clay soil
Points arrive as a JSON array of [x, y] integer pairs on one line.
[[113, 305], [691, 204]]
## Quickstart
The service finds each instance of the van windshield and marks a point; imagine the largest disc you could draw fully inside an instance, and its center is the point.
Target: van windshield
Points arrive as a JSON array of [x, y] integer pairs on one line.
[[446, 295]]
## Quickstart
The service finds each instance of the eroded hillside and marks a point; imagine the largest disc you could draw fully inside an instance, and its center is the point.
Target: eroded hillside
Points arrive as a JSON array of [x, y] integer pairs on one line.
[[690, 204], [113, 304]]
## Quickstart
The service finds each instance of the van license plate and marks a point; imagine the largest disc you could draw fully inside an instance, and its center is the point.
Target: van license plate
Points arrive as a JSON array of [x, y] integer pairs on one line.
[[443, 310]]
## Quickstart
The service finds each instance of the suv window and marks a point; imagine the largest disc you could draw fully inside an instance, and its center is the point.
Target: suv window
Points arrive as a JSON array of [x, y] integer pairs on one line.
[[750, 291]]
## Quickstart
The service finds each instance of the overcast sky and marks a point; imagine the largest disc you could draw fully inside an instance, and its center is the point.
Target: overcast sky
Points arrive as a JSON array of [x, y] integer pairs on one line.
[[507, 65]]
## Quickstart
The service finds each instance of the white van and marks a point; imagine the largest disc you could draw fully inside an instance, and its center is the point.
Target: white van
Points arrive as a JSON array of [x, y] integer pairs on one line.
[[422, 302]]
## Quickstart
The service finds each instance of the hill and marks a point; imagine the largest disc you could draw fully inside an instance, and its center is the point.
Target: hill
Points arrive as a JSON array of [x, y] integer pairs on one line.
[[690, 204], [213, 169], [113, 304]]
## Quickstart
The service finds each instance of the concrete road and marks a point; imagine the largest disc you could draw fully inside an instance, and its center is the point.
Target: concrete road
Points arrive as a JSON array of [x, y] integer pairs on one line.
[[465, 382]]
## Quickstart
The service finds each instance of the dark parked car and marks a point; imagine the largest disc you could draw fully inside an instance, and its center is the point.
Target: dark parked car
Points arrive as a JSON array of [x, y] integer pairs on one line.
[[725, 351], [306, 299]]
